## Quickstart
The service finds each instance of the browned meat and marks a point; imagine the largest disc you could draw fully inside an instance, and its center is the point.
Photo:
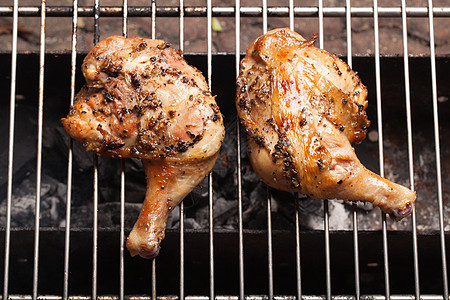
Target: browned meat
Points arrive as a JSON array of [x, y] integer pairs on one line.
[[143, 100], [303, 108]]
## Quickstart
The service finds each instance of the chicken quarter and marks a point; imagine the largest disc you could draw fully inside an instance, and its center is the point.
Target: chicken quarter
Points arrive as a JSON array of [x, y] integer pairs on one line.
[[141, 99], [303, 108]]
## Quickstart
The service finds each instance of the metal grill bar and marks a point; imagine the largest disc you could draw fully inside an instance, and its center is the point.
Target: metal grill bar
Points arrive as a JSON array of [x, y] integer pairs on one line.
[[297, 248], [39, 153], [269, 243], [154, 279], [95, 229], [326, 225], [437, 150], [291, 14], [12, 114], [153, 15], [192, 11], [70, 155], [125, 18], [97, 9], [122, 231], [95, 179], [380, 142], [410, 147], [239, 171], [348, 25]]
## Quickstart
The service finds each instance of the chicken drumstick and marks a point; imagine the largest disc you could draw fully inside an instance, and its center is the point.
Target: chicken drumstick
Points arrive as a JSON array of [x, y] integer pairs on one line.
[[143, 100]]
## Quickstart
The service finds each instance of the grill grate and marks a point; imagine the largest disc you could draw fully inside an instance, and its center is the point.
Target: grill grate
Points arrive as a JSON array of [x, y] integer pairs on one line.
[[209, 12]]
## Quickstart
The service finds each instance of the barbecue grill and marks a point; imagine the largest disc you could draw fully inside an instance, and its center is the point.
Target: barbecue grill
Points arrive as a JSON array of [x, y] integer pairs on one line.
[[321, 250]]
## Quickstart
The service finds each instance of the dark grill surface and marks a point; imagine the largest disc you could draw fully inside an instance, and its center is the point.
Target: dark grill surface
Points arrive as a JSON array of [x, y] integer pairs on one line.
[[64, 213]]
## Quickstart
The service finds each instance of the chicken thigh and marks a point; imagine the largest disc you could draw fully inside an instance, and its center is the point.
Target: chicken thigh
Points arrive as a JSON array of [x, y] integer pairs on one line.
[[142, 100], [303, 108]]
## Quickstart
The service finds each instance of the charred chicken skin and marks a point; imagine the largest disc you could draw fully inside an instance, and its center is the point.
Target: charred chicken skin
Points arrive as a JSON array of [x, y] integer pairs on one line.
[[142, 100], [303, 108]]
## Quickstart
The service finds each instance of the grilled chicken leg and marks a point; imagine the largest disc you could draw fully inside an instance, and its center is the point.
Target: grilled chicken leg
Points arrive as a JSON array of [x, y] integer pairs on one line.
[[167, 184], [302, 109], [143, 100]]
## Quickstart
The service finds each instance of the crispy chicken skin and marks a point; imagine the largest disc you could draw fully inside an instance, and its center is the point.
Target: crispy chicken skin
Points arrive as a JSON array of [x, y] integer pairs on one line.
[[142, 100], [302, 109]]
